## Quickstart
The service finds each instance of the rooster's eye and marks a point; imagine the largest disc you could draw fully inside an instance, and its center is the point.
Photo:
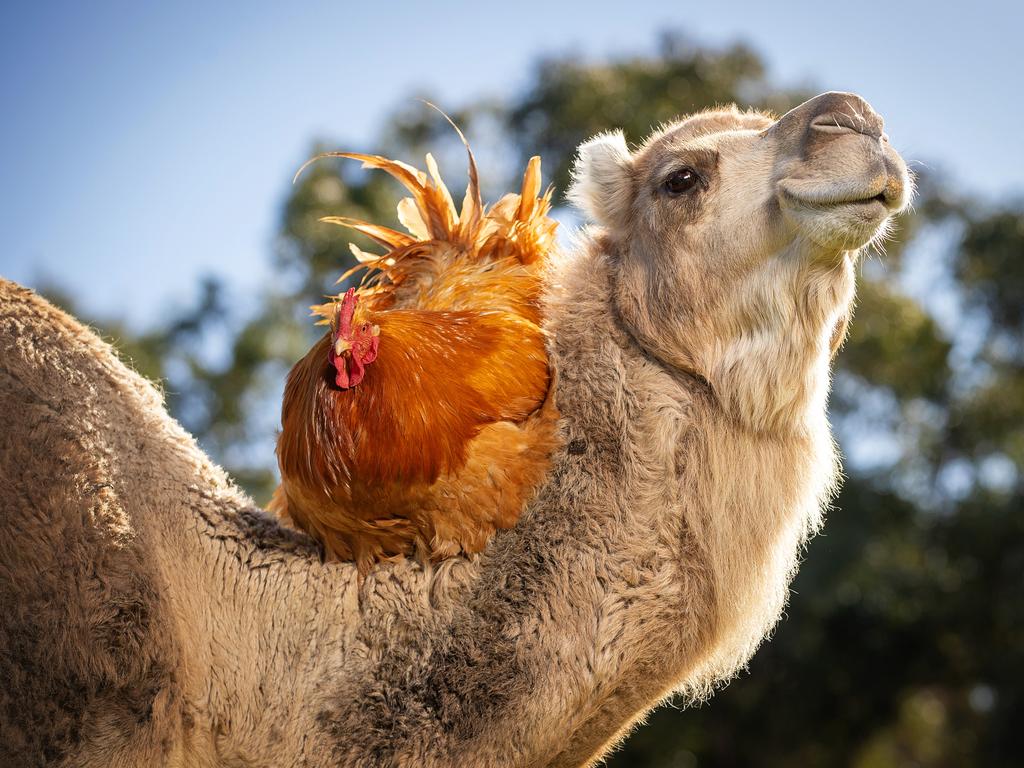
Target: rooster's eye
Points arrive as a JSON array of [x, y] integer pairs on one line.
[[681, 181], [365, 328]]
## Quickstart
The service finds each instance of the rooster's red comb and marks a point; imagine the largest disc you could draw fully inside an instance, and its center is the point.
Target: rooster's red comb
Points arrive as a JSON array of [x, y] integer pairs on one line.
[[347, 310]]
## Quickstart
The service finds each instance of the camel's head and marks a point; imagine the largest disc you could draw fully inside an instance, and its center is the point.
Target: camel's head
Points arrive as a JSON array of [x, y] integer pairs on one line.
[[733, 236]]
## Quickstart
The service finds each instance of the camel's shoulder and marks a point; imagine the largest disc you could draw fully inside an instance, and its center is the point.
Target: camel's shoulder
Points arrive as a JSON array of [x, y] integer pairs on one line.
[[85, 641]]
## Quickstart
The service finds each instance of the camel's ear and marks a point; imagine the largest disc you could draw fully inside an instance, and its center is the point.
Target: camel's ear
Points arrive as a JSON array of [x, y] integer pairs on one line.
[[601, 179]]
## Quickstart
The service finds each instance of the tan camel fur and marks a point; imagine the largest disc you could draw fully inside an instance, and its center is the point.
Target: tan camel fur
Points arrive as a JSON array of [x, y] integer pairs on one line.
[[150, 615]]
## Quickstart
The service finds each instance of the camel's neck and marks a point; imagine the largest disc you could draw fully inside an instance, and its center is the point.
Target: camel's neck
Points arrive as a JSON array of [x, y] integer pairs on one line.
[[670, 529], [761, 338], [769, 364]]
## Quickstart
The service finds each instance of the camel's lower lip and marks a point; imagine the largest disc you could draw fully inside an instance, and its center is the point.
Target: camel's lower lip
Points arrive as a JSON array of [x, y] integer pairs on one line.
[[876, 204], [879, 198], [825, 202], [846, 224]]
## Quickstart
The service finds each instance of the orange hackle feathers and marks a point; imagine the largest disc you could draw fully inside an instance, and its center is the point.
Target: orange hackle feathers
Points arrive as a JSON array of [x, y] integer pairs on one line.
[[449, 432]]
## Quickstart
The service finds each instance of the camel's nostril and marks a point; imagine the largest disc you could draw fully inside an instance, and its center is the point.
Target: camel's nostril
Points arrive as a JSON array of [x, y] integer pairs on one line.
[[829, 113], [833, 122], [848, 120]]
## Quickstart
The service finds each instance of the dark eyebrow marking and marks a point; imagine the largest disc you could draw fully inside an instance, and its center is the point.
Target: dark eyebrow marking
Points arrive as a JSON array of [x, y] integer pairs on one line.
[[703, 161]]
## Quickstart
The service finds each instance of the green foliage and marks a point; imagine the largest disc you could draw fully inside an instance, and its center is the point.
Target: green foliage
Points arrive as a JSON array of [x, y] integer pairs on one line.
[[894, 343], [904, 640], [991, 267]]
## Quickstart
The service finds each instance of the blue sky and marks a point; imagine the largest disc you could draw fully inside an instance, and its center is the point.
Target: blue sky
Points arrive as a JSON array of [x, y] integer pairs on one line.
[[143, 145]]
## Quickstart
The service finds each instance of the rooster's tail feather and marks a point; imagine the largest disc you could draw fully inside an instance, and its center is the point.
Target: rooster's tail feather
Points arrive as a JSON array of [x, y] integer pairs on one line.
[[516, 230]]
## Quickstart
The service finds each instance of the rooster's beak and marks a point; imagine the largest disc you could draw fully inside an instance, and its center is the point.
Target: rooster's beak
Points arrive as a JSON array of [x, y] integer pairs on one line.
[[341, 346]]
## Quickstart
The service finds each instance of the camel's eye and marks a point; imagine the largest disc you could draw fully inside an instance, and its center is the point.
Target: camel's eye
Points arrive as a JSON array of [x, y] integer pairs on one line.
[[681, 181]]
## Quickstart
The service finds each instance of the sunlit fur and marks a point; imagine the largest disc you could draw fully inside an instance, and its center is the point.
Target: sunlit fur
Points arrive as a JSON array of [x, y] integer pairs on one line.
[[175, 624], [445, 438], [727, 287]]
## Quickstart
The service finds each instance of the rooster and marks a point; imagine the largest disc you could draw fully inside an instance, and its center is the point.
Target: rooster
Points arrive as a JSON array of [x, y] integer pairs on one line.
[[421, 423]]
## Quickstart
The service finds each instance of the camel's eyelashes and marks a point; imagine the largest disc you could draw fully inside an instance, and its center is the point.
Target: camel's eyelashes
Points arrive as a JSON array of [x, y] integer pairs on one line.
[[682, 181]]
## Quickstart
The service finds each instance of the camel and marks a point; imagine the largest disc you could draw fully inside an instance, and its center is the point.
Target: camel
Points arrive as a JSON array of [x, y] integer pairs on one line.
[[152, 615]]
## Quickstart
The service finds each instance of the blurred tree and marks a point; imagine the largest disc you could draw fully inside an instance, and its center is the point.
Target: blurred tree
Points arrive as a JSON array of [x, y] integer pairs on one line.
[[904, 640]]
